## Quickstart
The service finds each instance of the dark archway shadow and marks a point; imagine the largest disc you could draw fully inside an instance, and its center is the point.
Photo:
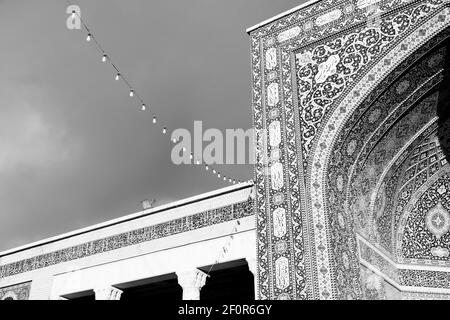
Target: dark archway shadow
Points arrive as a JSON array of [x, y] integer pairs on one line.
[[443, 109]]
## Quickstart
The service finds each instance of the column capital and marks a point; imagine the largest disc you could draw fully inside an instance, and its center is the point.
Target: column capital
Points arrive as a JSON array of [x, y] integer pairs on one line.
[[191, 281], [107, 293]]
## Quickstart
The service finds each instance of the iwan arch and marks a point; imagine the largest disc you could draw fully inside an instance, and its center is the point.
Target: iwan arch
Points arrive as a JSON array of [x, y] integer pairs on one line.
[[354, 202]]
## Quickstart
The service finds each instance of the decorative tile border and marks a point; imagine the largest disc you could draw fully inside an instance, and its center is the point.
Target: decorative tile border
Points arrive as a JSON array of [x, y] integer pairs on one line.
[[199, 220]]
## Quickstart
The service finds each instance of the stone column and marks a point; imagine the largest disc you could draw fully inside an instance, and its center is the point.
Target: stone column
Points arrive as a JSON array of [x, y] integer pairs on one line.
[[191, 282], [107, 293], [252, 264]]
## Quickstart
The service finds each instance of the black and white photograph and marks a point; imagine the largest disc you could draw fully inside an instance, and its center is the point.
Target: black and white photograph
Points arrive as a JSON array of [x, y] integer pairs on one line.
[[221, 156]]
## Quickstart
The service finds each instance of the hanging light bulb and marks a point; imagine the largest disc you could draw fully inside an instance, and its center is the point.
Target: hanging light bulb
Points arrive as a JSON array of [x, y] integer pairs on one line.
[[143, 108], [218, 175], [184, 149], [214, 171], [198, 161], [206, 167], [88, 38], [117, 77], [73, 14], [131, 93], [104, 58], [164, 130], [224, 178], [191, 156], [229, 180], [154, 119], [174, 140]]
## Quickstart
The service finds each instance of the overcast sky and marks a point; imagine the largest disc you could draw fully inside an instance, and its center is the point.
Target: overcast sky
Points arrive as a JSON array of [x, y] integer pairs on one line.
[[74, 148]]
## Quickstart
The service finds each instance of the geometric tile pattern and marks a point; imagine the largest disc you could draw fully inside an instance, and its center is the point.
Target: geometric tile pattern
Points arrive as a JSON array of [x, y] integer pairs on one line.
[[16, 292], [425, 235], [403, 180]]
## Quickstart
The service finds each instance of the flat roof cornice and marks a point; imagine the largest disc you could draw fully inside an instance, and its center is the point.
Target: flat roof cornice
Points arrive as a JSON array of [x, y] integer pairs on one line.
[[278, 16], [132, 216]]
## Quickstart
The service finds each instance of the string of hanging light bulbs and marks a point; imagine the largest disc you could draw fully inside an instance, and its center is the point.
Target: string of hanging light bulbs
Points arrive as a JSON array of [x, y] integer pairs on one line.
[[225, 247], [106, 58]]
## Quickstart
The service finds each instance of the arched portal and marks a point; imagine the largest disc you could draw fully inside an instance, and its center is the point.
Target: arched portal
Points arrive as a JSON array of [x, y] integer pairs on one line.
[[10, 295], [345, 103]]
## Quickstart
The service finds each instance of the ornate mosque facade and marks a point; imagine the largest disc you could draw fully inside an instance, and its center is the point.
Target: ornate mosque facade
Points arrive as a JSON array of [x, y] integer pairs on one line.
[[351, 190]]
